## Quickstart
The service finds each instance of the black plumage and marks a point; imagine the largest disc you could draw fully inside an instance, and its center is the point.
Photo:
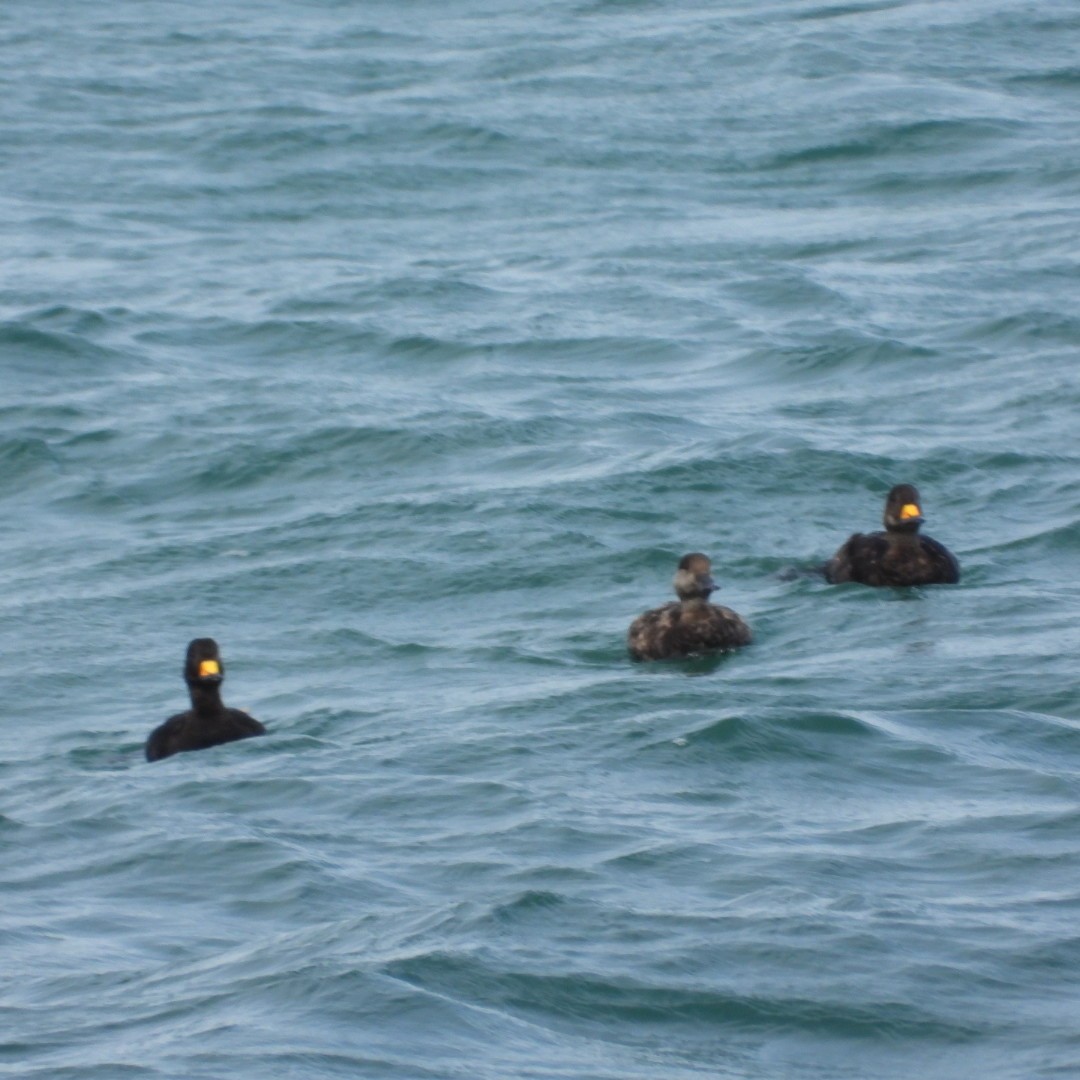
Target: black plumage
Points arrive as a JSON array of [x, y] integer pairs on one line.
[[208, 722], [899, 555], [692, 626]]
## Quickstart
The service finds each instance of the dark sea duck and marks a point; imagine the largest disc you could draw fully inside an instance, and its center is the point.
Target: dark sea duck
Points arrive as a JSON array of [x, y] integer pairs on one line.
[[692, 626], [897, 556], [208, 722]]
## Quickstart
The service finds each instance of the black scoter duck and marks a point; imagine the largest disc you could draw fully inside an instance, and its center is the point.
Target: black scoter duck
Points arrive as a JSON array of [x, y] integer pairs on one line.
[[693, 625], [208, 722], [897, 556]]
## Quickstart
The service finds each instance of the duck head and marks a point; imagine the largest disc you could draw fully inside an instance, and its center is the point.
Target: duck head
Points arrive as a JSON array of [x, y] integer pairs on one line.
[[203, 666], [693, 579], [903, 509]]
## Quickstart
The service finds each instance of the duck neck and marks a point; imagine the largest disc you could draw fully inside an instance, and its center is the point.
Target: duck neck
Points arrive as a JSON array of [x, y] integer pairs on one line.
[[903, 541], [695, 603], [206, 699]]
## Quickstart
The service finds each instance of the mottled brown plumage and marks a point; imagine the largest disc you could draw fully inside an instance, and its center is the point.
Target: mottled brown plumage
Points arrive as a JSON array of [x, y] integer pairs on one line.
[[692, 626], [899, 555], [208, 722]]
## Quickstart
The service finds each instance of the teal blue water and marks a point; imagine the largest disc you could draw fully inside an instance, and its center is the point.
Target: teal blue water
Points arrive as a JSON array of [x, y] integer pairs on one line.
[[404, 348]]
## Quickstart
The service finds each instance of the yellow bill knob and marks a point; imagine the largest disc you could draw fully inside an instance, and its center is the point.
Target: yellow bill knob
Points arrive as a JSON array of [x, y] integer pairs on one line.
[[909, 510], [209, 667]]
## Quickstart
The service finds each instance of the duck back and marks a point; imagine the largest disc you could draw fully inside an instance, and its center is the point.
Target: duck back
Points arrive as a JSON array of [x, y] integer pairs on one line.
[[190, 731], [870, 559], [682, 629]]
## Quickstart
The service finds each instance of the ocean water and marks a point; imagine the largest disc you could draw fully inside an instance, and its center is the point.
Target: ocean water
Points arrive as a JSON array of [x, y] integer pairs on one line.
[[404, 348]]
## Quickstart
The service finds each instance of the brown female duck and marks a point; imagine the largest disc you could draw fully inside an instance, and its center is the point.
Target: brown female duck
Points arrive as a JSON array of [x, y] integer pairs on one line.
[[691, 626]]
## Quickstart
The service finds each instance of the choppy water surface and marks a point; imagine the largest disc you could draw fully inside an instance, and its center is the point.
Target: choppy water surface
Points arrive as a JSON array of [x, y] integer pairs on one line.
[[404, 348]]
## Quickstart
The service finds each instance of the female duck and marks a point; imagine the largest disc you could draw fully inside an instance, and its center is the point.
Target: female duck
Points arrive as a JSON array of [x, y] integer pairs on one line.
[[897, 556], [208, 722], [693, 625]]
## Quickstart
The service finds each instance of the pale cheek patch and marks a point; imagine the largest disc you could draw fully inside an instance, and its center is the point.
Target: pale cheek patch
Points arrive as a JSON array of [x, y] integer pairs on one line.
[[684, 580]]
